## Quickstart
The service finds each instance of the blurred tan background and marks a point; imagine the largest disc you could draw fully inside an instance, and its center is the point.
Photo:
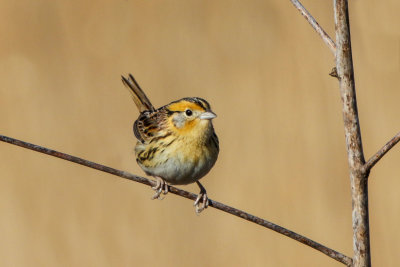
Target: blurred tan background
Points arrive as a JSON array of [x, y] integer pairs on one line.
[[264, 71]]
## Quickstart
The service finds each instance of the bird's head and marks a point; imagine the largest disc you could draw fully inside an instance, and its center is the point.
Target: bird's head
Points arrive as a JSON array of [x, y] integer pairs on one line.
[[191, 115]]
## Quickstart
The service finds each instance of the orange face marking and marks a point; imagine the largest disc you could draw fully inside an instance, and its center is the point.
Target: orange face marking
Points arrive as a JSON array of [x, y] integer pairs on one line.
[[192, 123], [188, 127], [183, 105]]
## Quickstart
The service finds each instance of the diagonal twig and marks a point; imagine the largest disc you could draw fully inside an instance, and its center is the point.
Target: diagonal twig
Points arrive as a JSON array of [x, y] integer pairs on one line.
[[378, 155], [325, 37], [217, 205]]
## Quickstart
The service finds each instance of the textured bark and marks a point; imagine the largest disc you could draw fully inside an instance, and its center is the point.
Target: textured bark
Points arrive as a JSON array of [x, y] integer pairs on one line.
[[358, 175]]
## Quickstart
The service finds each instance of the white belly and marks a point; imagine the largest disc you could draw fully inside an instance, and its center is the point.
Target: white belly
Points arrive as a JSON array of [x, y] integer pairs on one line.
[[177, 167]]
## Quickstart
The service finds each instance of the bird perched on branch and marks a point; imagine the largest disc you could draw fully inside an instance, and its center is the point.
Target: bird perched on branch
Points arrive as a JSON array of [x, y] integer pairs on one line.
[[176, 143]]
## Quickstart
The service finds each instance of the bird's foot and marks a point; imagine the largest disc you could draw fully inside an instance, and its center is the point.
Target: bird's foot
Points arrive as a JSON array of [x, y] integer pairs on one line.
[[202, 201], [160, 187]]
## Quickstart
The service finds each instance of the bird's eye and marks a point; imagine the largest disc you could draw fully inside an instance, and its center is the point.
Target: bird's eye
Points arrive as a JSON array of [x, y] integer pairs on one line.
[[189, 112]]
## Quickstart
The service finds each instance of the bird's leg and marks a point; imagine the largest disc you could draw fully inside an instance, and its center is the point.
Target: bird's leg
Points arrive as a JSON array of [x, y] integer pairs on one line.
[[166, 189], [201, 202], [160, 186]]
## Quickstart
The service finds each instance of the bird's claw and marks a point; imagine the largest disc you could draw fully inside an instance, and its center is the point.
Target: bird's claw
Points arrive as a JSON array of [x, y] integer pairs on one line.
[[201, 202], [160, 187]]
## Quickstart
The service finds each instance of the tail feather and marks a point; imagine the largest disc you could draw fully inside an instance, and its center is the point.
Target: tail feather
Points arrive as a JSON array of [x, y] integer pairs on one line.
[[138, 96]]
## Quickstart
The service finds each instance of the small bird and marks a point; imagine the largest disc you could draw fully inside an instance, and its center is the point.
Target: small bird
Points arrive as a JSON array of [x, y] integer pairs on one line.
[[176, 143]]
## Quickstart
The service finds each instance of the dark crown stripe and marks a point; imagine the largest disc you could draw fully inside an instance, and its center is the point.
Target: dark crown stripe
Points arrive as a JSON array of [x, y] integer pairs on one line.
[[199, 101]]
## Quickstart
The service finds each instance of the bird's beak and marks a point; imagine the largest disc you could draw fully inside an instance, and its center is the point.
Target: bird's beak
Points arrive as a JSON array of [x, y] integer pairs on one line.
[[208, 115]]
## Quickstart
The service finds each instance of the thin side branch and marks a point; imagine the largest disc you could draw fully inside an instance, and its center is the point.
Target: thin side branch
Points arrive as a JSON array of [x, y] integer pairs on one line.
[[325, 37], [217, 205], [378, 155]]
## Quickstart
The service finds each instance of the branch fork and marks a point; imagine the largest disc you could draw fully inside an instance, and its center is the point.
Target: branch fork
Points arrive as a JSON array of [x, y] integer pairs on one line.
[[359, 169]]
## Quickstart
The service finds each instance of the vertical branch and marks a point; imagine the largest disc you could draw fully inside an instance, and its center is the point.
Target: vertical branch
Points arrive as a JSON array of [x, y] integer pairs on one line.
[[358, 177]]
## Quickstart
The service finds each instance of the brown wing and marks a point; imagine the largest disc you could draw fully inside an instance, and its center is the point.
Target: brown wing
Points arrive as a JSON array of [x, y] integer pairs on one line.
[[138, 96], [149, 125]]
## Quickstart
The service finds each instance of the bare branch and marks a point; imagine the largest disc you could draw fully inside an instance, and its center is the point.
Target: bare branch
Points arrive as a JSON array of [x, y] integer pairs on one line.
[[325, 37], [358, 178], [217, 205], [378, 155]]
